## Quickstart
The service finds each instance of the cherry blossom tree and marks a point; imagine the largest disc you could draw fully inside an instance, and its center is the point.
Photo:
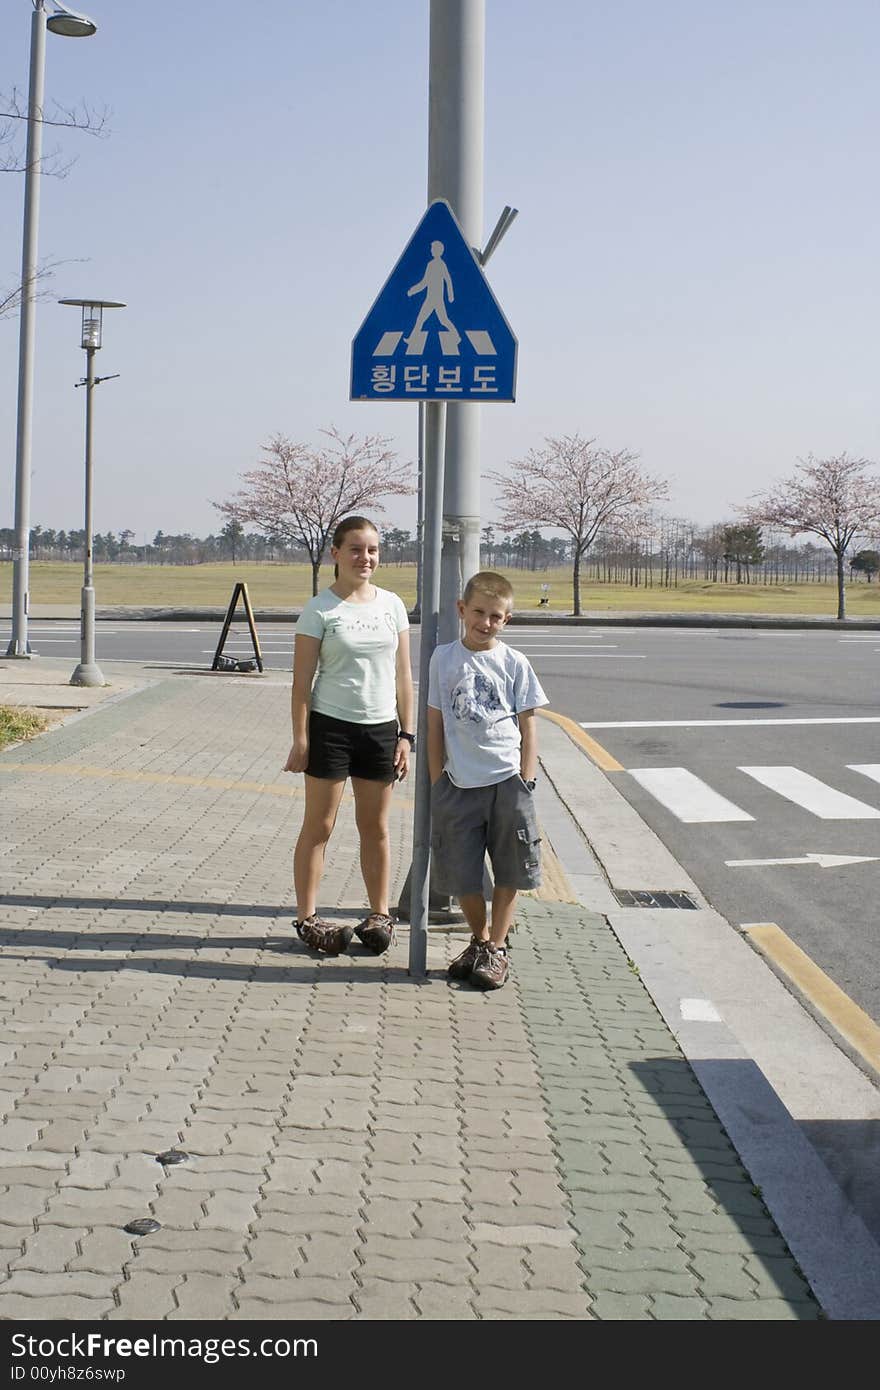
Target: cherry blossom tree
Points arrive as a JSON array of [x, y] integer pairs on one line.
[[297, 495], [834, 498], [577, 487]]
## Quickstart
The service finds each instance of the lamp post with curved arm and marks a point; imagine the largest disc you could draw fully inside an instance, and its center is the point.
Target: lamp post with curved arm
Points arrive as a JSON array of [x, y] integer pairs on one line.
[[71, 25], [88, 672]]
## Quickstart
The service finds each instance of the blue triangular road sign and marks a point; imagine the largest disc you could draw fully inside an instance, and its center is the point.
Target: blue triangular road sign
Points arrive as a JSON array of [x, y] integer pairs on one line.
[[436, 331]]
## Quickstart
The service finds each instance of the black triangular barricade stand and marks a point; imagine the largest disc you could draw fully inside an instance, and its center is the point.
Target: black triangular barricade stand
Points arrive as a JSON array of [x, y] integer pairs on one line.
[[240, 590]]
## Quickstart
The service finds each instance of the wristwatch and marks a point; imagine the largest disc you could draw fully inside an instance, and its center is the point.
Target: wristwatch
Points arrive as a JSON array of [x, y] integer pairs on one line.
[[531, 784], [410, 738]]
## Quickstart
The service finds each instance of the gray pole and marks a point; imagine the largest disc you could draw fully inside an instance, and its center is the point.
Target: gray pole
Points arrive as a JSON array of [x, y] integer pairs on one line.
[[19, 645], [88, 672], [455, 172], [420, 508], [435, 433]]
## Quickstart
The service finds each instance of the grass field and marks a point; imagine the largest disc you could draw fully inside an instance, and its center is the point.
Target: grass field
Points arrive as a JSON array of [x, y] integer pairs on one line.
[[288, 586]]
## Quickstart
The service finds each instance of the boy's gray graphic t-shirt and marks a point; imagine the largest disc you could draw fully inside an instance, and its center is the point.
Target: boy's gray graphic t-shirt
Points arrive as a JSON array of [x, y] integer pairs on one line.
[[480, 695], [356, 678]]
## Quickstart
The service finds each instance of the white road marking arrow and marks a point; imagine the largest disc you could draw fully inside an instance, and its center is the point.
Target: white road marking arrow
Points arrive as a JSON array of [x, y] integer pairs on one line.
[[822, 861]]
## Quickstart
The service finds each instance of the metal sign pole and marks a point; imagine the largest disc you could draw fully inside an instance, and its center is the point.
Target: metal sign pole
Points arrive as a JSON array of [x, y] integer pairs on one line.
[[435, 447]]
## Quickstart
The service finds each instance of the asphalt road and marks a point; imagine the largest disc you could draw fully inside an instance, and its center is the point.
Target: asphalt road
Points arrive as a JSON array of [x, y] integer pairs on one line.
[[721, 759], [720, 749]]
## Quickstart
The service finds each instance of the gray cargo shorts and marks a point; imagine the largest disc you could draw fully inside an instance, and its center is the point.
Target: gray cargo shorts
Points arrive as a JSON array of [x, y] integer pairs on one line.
[[466, 822]]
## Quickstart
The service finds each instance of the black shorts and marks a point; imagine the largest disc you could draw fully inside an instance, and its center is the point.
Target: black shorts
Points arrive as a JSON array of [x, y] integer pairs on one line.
[[339, 748]]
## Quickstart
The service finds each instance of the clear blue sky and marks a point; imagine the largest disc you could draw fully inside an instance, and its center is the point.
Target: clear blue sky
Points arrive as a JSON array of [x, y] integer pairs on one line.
[[693, 274]]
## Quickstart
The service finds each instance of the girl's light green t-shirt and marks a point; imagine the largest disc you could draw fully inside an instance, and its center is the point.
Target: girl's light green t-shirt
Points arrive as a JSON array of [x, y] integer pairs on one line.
[[356, 675]]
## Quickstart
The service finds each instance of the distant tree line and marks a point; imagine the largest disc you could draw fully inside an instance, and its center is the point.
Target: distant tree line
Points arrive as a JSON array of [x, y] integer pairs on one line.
[[230, 544], [666, 553]]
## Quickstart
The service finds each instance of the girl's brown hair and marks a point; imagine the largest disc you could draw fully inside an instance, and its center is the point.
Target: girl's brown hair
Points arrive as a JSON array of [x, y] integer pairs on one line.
[[352, 523]]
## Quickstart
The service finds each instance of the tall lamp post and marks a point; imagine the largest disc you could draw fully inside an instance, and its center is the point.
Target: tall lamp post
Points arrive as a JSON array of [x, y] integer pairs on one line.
[[88, 672], [71, 25]]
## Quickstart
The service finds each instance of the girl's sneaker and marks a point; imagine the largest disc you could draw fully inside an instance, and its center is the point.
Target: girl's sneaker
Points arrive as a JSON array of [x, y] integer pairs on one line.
[[323, 936], [461, 967], [376, 932], [491, 968]]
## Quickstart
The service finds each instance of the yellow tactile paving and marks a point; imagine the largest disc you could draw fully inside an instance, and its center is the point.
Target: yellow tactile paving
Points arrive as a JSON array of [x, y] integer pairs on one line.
[[173, 779]]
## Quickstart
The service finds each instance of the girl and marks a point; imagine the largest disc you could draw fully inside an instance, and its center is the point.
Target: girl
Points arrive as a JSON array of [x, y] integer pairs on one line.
[[352, 708]]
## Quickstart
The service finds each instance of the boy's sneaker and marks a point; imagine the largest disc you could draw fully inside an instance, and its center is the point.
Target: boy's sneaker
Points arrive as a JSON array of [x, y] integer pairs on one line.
[[491, 968], [376, 932], [323, 936], [461, 967]]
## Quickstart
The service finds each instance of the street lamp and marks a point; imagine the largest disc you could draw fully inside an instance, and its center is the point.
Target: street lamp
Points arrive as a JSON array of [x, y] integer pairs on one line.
[[72, 25], [88, 672]]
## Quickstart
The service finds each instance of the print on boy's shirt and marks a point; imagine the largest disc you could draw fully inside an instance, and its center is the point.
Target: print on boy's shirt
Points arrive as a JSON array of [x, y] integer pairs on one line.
[[476, 698]]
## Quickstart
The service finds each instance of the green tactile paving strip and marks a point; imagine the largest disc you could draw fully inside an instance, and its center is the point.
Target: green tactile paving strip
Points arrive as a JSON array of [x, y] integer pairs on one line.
[[668, 1222], [95, 728]]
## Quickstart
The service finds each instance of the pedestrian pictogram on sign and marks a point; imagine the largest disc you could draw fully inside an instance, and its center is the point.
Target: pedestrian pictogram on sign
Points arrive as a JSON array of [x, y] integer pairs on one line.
[[436, 331]]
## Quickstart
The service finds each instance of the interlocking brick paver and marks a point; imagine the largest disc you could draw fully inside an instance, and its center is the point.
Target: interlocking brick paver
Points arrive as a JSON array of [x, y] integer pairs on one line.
[[775, 1277], [329, 1255], [442, 1302], [358, 1147], [673, 1308], [382, 1299], [415, 1190], [64, 1307], [50, 1249], [205, 1296], [21, 1204], [294, 1306], [762, 1310], [500, 1266], [436, 1220], [617, 1307], [275, 1254], [40, 1284], [551, 1268], [531, 1304], [403, 1269], [232, 1211]]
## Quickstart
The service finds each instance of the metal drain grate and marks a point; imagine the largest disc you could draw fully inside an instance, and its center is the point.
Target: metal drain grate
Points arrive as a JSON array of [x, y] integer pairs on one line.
[[649, 898]]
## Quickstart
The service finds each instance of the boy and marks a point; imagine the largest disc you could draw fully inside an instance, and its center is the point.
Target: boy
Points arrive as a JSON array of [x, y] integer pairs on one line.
[[482, 760]]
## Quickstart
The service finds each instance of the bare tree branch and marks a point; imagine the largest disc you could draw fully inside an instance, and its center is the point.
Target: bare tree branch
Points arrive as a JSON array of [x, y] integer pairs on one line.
[[10, 299], [298, 495], [13, 108]]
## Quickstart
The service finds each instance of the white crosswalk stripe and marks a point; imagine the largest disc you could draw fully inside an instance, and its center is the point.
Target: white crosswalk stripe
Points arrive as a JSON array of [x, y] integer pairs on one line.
[[807, 791], [694, 802], [871, 770], [687, 796]]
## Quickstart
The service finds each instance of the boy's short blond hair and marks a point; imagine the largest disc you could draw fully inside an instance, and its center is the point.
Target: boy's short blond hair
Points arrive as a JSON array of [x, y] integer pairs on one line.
[[492, 585]]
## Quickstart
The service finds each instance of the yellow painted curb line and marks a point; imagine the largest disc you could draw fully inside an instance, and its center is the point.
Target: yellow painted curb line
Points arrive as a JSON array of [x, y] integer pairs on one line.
[[594, 751], [851, 1022]]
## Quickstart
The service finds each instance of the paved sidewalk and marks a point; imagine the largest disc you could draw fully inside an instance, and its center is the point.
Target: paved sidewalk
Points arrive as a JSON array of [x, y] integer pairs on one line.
[[359, 1144]]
